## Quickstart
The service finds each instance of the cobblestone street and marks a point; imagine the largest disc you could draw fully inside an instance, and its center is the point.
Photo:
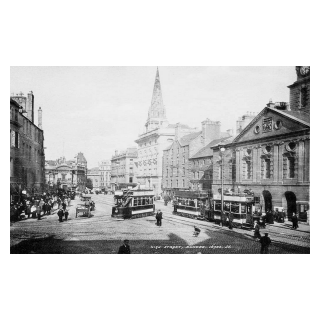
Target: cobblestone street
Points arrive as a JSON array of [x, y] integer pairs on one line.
[[103, 234]]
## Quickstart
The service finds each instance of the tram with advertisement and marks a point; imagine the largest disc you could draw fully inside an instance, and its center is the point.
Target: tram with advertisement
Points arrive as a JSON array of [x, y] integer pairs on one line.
[[135, 203], [241, 207], [191, 204]]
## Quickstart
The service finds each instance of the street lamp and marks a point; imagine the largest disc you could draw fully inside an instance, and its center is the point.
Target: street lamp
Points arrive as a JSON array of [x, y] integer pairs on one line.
[[222, 150]]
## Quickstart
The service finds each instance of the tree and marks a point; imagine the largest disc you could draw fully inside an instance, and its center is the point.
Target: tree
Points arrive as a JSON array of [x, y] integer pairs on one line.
[[89, 183]]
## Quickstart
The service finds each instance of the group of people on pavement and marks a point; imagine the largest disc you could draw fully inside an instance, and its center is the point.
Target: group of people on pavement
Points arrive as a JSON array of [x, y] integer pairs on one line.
[[35, 207]]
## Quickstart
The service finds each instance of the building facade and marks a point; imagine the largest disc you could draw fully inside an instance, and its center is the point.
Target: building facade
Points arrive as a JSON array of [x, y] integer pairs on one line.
[[158, 135], [66, 174], [27, 158], [123, 169], [271, 155], [94, 175], [105, 174], [177, 174]]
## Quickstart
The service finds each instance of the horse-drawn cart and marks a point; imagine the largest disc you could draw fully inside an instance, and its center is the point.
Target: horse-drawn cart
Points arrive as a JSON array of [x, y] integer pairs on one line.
[[85, 210]]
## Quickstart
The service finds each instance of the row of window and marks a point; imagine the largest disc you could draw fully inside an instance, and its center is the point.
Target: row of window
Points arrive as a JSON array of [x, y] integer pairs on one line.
[[172, 184], [288, 169]]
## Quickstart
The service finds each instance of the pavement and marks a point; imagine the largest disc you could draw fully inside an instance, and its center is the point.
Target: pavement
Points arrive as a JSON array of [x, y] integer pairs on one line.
[[102, 234]]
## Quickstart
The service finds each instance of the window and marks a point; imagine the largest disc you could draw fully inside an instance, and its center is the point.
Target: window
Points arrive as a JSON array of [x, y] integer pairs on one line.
[[13, 138], [183, 183], [177, 183], [303, 96], [11, 168], [248, 169], [267, 169], [291, 167]]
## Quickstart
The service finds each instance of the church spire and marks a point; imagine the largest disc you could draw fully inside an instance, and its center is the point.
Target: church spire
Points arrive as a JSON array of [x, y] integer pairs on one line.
[[157, 109]]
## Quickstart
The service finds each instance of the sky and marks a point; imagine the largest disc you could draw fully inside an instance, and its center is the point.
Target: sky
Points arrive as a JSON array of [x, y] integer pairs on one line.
[[97, 110]]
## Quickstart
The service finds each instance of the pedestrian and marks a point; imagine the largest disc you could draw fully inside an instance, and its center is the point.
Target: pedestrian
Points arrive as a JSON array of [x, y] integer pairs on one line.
[[196, 231], [283, 215], [256, 227], [39, 212], [64, 206], [28, 210], [125, 248], [159, 218], [295, 221], [230, 220], [66, 213], [265, 242], [60, 214]]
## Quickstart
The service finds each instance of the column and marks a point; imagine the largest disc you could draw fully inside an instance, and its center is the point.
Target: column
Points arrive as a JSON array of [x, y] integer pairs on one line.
[[275, 163], [238, 166], [259, 164], [254, 164], [306, 160], [280, 172], [301, 163]]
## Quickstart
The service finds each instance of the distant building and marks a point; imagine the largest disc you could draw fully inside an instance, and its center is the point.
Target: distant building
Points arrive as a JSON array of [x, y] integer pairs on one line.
[[187, 142], [105, 174], [66, 174], [94, 175], [27, 159], [123, 169], [158, 135]]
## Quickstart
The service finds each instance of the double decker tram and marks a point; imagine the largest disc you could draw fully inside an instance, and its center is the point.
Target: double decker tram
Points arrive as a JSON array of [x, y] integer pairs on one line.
[[190, 204], [134, 204], [240, 206]]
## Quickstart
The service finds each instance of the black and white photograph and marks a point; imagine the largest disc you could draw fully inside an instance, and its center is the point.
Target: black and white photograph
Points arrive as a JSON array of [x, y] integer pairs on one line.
[[160, 160], [191, 171]]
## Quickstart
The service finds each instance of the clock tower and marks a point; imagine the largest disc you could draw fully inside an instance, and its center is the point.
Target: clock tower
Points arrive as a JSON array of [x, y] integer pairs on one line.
[[300, 91]]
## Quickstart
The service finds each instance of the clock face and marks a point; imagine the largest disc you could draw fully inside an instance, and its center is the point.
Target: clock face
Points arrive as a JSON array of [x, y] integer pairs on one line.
[[304, 70]]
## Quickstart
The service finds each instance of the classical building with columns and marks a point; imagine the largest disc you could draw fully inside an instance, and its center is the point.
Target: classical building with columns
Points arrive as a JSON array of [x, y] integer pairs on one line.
[[158, 135], [271, 155]]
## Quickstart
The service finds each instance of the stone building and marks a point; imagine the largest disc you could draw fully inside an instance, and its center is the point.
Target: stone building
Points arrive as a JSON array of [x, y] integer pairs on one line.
[[27, 159], [187, 142], [158, 135], [94, 175], [201, 167], [123, 169], [66, 174], [271, 155], [105, 174]]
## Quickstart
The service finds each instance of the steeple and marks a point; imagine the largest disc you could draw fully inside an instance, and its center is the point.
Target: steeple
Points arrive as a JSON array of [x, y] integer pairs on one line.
[[157, 111]]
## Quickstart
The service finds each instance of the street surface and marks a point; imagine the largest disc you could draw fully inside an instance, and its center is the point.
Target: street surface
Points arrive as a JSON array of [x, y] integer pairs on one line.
[[102, 234]]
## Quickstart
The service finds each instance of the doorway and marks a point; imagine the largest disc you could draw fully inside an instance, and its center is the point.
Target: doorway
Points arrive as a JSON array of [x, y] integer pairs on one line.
[[267, 197], [291, 203]]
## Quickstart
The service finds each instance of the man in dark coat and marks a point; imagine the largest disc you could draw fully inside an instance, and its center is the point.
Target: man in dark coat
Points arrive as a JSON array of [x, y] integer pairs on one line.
[[294, 221], [230, 220], [60, 215], [159, 218], [125, 248], [265, 242]]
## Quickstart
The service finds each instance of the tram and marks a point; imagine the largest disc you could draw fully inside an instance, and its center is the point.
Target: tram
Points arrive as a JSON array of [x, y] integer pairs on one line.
[[191, 204], [241, 206], [134, 204]]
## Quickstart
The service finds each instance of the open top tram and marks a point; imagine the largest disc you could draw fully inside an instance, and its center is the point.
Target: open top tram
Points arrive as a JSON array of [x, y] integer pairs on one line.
[[134, 204]]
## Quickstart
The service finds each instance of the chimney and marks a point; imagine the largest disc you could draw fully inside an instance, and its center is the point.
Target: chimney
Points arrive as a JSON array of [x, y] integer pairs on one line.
[[270, 104], [210, 130], [230, 132], [177, 131], [39, 118], [30, 107]]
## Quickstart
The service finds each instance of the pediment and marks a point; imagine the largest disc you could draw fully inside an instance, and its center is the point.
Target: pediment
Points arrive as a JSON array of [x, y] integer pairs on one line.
[[63, 167], [268, 123]]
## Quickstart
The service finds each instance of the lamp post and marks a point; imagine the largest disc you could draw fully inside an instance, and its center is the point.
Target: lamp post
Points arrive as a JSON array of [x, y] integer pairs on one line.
[[222, 150]]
